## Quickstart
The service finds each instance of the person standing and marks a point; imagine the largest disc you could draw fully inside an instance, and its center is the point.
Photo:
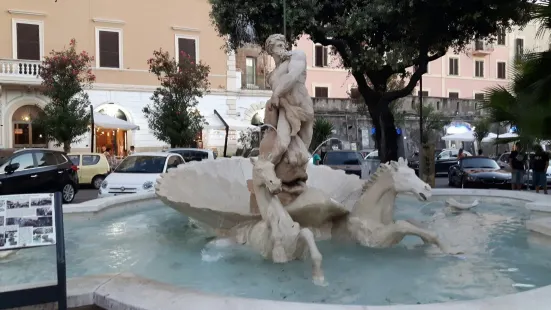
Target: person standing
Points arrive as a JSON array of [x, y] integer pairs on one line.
[[131, 152], [460, 154], [316, 158], [517, 161], [539, 169], [480, 152]]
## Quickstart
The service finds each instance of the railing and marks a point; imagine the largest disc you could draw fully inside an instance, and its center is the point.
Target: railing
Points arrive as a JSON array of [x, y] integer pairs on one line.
[[19, 70], [481, 47], [255, 87]]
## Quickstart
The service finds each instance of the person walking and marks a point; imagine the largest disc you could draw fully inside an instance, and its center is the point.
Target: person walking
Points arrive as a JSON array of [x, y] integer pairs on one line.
[[539, 169], [517, 162], [460, 154]]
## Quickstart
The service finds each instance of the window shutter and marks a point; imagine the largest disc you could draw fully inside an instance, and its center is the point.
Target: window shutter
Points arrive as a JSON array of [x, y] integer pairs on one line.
[[325, 56], [109, 49], [318, 56], [28, 41], [321, 92], [188, 46]]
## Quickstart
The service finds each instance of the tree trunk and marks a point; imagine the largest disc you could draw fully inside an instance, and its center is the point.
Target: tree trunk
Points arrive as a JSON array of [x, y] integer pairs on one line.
[[388, 139], [67, 147], [428, 172]]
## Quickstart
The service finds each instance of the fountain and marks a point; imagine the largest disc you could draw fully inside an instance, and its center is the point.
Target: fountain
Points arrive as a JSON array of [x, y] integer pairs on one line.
[[255, 220]]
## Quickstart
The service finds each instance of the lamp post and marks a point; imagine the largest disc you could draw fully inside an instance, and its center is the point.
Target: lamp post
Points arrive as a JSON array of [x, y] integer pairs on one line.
[[421, 161], [285, 18]]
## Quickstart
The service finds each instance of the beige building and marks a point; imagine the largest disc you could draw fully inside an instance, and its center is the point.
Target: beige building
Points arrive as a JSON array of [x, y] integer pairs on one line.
[[121, 35]]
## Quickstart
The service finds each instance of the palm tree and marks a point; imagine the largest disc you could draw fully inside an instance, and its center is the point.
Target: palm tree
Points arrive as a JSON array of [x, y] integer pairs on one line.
[[526, 102], [323, 129]]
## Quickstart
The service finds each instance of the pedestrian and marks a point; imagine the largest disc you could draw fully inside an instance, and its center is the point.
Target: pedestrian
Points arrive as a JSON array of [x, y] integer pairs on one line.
[[539, 169], [132, 151], [517, 162], [460, 154], [316, 159], [480, 152]]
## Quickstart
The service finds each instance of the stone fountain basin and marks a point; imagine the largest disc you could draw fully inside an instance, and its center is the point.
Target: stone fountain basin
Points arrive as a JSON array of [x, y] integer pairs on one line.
[[128, 291]]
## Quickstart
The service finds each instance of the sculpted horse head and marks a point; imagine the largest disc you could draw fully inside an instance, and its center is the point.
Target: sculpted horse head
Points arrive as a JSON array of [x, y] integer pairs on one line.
[[379, 193], [264, 174]]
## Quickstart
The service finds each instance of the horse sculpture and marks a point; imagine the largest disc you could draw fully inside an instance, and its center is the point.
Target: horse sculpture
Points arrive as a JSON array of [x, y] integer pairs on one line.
[[276, 236]]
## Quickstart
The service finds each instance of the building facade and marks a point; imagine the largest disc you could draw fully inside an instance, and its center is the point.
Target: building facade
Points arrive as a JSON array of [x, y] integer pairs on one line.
[[121, 36], [463, 75]]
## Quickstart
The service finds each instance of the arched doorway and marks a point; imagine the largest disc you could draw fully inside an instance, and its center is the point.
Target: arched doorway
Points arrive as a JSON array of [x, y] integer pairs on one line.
[[112, 138], [25, 133]]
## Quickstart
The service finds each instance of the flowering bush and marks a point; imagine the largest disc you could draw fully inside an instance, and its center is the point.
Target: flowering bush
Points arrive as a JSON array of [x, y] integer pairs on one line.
[[65, 75], [173, 116]]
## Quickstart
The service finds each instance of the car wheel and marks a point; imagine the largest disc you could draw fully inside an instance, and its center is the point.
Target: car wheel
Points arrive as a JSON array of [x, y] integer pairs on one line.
[[97, 180], [68, 193]]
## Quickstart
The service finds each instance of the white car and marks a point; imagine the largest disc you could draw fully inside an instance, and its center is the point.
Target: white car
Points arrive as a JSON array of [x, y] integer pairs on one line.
[[138, 173]]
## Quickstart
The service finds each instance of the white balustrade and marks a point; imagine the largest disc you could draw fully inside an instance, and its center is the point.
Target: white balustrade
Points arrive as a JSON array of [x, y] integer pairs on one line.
[[19, 68]]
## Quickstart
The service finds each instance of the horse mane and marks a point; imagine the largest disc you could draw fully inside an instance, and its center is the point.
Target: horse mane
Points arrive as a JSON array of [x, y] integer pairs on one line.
[[383, 169]]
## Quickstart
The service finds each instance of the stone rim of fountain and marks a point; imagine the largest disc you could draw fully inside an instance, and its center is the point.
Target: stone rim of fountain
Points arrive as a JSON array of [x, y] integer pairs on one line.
[[127, 291]]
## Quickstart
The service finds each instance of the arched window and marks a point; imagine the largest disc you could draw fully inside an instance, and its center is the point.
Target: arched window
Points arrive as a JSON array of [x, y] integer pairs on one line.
[[25, 133]]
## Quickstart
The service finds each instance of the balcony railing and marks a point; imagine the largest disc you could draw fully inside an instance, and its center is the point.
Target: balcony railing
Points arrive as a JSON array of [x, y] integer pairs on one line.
[[482, 48], [19, 71]]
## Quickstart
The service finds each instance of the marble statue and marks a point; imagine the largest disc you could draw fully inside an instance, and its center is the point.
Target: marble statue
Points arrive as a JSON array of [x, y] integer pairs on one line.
[[289, 116], [458, 206], [294, 204]]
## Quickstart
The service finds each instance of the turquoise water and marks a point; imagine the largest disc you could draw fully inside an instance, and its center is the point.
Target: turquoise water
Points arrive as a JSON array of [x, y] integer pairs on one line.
[[156, 242]]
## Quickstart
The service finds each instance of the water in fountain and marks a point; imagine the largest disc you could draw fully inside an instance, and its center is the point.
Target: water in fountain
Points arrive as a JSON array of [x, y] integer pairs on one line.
[[156, 243]]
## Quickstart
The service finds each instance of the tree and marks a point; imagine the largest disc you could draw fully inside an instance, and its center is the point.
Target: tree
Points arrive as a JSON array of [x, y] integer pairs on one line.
[[481, 129], [173, 116], [65, 76], [323, 129], [375, 39], [249, 139]]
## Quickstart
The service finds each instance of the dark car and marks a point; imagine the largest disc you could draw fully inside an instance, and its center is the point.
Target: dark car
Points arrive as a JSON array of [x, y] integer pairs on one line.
[[413, 161], [478, 171], [191, 154], [30, 171], [349, 161]]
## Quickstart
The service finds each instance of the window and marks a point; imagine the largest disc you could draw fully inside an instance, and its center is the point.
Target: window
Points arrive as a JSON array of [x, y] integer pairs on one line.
[[25, 161], [501, 36], [90, 160], [109, 48], [61, 159], [479, 45], [187, 46], [453, 66], [519, 47], [424, 93], [321, 92], [320, 56], [250, 70], [453, 95], [479, 96], [28, 41], [501, 70], [44, 159], [75, 159], [479, 68], [173, 162]]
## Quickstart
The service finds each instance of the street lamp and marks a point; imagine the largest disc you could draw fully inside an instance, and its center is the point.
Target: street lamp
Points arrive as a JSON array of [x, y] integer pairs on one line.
[[285, 18], [421, 164]]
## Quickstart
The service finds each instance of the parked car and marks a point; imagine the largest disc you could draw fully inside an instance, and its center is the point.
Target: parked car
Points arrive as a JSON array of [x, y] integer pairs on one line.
[[503, 160], [191, 154], [478, 171], [92, 168], [138, 173], [446, 159], [351, 162], [372, 161], [27, 171]]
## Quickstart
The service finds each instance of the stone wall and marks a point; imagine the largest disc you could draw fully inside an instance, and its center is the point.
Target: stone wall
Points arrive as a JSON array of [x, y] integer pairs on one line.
[[351, 125]]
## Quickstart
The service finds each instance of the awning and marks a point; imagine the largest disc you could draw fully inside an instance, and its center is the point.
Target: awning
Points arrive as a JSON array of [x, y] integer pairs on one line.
[[468, 137], [109, 122], [234, 124]]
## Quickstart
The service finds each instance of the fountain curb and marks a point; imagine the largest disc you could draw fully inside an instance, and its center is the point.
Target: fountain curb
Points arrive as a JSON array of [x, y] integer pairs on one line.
[[126, 291], [130, 292]]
